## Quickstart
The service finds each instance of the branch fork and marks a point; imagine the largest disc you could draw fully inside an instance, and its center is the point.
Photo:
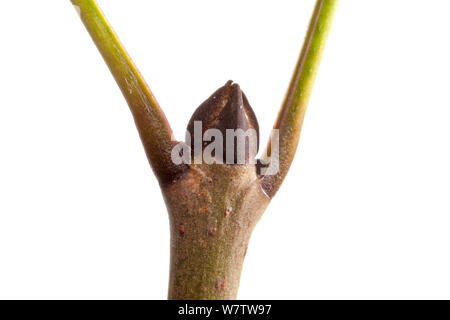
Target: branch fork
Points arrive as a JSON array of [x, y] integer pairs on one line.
[[213, 208]]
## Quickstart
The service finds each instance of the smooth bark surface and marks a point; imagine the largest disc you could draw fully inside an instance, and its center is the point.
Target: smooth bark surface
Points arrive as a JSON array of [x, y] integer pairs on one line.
[[213, 210]]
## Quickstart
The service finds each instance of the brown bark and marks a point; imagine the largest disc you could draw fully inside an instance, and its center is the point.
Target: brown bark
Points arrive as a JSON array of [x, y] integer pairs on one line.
[[213, 210]]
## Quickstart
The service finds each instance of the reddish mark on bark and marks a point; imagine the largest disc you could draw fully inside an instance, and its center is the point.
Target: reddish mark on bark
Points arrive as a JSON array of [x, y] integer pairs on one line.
[[203, 195], [203, 210], [181, 228], [224, 282], [212, 231], [245, 251], [220, 285]]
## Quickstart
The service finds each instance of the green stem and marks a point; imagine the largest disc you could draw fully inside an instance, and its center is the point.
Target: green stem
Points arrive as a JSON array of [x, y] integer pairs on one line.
[[292, 112], [150, 120]]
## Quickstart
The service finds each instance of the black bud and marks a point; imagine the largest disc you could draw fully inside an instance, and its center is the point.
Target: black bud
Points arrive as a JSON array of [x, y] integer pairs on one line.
[[227, 108]]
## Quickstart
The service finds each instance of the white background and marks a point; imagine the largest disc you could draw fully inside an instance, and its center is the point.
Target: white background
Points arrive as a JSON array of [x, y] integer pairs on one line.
[[363, 213]]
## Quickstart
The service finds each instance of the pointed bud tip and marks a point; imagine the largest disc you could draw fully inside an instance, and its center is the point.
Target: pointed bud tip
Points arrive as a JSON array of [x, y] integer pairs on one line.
[[227, 108]]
